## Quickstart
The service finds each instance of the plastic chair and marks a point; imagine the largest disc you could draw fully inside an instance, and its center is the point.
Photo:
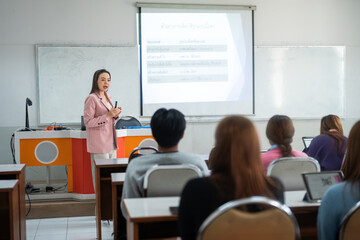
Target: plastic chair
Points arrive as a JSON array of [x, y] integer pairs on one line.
[[127, 121], [146, 146], [350, 227], [147, 142], [275, 221], [135, 152], [169, 180], [289, 170]]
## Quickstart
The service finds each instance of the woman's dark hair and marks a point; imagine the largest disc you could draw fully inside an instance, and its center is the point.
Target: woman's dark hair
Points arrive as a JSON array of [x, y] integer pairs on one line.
[[280, 130], [331, 125], [95, 86], [167, 127], [235, 160], [351, 164]]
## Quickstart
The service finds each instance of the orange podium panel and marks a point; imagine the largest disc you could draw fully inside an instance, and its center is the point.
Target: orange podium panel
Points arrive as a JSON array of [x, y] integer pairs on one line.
[[48, 152], [82, 167], [68, 147], [127, 144]]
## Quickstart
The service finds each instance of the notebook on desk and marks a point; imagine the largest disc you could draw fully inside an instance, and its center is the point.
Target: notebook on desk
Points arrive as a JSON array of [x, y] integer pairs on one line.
[[316, 183]]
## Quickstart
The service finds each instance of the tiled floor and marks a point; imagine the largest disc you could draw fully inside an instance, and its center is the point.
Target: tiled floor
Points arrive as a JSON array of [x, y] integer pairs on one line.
[[79, 228]]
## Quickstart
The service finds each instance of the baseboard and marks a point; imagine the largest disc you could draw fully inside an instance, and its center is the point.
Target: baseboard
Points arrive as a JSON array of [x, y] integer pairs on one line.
[[57, 209]]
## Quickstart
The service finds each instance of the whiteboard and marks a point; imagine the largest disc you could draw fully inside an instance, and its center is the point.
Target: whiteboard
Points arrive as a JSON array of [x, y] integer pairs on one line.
[[65, 78], [301, 82]]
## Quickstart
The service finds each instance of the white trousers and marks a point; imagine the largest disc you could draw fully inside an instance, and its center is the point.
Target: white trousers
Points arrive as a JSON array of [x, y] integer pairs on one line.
[[94, 156]]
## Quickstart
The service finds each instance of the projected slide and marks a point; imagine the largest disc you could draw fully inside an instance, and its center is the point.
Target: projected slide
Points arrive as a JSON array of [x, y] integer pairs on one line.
[[190, 60]]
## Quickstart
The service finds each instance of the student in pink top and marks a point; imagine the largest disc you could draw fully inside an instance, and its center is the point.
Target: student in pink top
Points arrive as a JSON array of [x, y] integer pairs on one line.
[[280, 131]]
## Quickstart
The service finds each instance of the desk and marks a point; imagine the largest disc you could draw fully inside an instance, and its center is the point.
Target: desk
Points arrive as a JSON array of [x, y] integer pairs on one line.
[[17, 172], [9, 209], [152, 215], [305, 213], [103, 170], [68, 147], [142, 212], [117, 182]]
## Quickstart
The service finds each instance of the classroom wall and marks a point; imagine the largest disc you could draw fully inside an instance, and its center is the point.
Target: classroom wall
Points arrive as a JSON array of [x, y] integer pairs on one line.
[[112, 22]]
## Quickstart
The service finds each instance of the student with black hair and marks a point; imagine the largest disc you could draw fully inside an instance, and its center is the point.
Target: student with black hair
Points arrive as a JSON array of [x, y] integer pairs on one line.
[[167, 128]]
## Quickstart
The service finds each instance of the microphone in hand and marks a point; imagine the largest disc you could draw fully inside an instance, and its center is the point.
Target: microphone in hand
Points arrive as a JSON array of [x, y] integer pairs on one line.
[[116, 110]]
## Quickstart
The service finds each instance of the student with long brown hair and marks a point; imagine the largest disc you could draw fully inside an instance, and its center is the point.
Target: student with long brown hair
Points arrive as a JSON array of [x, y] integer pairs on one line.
[[280, 132], [339, 199], [236, 173], [330, 146]]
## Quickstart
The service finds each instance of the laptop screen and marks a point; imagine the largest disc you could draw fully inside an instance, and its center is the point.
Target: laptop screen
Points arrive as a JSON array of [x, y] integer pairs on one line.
[[307, 141], [317, 183]]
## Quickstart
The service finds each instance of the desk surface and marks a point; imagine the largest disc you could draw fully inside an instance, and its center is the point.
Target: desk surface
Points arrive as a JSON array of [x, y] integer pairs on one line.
[[7, 184], [117, 178], [76, 133], [294, 199], [114, 162], [140, 209], [152, 209], [11, 168]]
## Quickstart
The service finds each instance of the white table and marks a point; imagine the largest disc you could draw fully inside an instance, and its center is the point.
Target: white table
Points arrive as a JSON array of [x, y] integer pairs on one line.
[[305, 213], [294, 199], [143, 211], [151, 216]]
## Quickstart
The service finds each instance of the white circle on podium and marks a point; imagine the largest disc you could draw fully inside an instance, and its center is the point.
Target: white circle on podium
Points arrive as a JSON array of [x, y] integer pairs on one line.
[[46, 152]]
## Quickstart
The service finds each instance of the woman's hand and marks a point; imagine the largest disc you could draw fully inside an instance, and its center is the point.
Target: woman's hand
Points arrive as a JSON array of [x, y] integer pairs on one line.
[[114, 112]]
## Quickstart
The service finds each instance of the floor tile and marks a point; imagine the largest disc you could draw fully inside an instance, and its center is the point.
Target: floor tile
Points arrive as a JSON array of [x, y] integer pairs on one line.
[[31, 228], [52, 237], [81, 236], [72, 228], [52, 226]]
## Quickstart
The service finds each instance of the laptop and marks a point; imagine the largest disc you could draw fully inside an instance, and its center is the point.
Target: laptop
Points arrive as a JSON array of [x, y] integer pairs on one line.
[[317, 183], [307, 141]]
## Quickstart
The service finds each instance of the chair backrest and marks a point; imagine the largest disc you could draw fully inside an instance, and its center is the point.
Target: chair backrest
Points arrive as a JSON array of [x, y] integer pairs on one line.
[[349, 228], [276, 221], [127, 121], [289, 170], [147, 142], [136, 151], [169, 180]]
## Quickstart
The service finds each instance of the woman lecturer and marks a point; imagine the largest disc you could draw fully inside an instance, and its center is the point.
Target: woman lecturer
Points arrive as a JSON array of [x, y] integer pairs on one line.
[[99, 119]]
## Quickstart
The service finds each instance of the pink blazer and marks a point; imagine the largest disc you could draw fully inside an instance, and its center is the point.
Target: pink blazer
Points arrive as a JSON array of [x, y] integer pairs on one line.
[[100, 130]]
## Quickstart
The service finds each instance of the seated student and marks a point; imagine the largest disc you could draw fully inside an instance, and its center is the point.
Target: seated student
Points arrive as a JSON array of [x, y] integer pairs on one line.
[[280, 132], [236, 173], [340, 198], [330, 146], [167, 128]]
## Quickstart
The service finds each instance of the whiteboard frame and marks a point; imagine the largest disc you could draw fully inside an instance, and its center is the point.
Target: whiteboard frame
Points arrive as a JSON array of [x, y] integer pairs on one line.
[[37, 47]]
